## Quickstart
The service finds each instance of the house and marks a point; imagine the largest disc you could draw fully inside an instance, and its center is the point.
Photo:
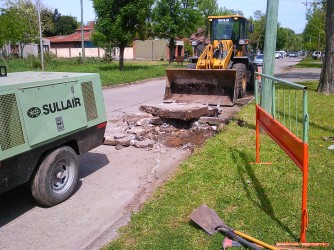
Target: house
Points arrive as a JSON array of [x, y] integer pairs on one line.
[[24, 50], [74, 40]]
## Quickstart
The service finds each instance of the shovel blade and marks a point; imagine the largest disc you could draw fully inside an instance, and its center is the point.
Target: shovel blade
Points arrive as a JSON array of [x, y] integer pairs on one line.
[[207, 219]]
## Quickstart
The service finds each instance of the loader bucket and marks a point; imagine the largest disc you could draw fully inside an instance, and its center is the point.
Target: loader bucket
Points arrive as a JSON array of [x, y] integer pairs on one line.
[[205, 86]]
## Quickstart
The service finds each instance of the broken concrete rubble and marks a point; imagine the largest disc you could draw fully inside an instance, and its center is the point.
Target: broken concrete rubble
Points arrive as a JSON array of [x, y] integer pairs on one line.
[[170, 124], [180, 111], [213, 120], [168, 132], [144, 144]]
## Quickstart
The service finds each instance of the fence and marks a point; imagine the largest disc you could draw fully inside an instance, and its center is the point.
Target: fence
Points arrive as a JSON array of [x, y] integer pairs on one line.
[[89, 52], [288, 126]]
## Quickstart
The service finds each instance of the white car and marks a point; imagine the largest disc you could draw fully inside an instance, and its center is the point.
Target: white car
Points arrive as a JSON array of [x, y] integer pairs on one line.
[[259, 59], [277, 55], [316, 55], [283, 53]]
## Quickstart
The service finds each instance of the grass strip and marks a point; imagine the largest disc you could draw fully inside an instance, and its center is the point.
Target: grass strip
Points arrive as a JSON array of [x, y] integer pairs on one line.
[[109, 72], [309, 62], [263, 201]]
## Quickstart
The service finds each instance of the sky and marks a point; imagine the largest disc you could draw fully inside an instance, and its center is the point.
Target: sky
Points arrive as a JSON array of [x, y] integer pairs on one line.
[[291, 13]]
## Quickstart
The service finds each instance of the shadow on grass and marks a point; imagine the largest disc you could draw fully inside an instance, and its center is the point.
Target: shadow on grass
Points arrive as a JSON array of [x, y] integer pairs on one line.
[[263, 201]]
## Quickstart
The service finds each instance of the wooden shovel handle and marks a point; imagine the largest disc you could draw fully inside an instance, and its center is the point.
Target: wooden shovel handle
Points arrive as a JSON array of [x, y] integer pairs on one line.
[[242, 241], [261, 243]]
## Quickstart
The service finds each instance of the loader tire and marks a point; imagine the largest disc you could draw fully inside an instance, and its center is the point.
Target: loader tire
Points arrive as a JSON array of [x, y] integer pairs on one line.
[[241, 78], [251, 82]]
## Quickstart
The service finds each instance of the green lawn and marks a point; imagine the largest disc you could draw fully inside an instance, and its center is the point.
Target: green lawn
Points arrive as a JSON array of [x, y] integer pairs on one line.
[[309, 62], [263, 201], [109, 72]]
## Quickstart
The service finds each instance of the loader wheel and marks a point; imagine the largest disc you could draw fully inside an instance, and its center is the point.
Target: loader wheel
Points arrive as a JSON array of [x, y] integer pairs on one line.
[[56, 177], [250, 83], [241, 78]]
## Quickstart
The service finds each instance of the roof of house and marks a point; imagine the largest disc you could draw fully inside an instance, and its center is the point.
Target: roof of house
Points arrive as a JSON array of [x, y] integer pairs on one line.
[[75, 37]]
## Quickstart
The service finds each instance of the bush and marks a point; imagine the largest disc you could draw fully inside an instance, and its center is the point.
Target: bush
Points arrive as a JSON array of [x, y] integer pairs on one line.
[[34, 62]]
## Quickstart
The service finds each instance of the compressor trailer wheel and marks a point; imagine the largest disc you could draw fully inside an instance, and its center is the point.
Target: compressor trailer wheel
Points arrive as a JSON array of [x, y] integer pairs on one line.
[[56, 177]]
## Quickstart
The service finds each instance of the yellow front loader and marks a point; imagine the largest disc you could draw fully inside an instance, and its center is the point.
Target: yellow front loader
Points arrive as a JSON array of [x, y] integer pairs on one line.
[[222, 71]]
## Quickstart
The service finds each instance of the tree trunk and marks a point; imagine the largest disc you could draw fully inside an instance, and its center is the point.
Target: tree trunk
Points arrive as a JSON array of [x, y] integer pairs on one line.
[[21, 50], [258, 40], [326, 84], [171, 50], [121, 58]]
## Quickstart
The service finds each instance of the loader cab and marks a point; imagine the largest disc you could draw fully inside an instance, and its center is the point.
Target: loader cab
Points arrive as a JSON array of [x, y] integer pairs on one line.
[[233, 27]]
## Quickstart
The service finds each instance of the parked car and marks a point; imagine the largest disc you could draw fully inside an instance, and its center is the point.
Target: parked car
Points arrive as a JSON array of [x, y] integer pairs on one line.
[[277, 55], [316, 55], [292, 54], [258, 59], [282, 53]]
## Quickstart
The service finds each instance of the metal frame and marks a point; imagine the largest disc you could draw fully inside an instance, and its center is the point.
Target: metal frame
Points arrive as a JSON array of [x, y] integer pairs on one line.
[[294, 147]]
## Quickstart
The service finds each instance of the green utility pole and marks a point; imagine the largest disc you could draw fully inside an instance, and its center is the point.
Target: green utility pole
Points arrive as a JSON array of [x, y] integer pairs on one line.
[[82, 32], [269, 53]]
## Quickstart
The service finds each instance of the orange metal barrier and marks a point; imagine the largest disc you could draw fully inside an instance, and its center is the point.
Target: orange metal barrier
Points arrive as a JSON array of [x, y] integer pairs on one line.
[[295, 148]]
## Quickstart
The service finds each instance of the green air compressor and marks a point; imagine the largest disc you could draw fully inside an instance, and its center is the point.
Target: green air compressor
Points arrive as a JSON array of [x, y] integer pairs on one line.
[[47, 119]]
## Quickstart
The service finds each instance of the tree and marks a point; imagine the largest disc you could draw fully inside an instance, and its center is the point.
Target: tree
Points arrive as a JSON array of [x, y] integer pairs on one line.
[[207, 8], [65, 25], [174, 19], [257, 37], [314, 33], [224, 11], [326, 84], [48, 22], [119, 22], [19, 23], [286, 38]]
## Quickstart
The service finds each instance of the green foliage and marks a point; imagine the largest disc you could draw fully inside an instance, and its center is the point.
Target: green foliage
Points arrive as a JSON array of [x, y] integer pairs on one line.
[[65, 25], [19, 22], [257, 37], [309, 62], [207, 8], [175, 19], [314, 34], [48, 23], [286, 38], [119, 22], [222, 11], [54, 24]]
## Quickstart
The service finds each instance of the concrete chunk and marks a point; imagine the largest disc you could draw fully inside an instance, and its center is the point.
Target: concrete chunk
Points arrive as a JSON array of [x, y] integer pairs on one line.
[[179, 111], [110, 140], [213, 120], [144, 144]]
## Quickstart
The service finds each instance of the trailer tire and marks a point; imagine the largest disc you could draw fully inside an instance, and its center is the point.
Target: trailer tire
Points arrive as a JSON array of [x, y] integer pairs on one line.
[[241, 78], [56, 177]]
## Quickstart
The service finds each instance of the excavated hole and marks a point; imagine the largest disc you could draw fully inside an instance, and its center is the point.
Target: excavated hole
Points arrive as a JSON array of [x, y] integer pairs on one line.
[[179, 133], [169, 132]]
